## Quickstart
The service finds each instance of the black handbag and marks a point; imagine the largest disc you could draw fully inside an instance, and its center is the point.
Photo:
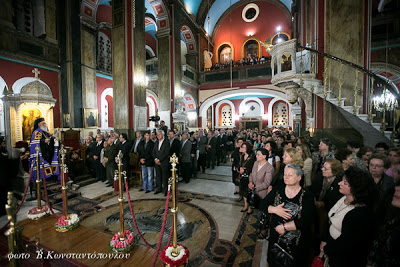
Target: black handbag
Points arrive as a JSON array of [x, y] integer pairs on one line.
[[280, 255], [253, 198]]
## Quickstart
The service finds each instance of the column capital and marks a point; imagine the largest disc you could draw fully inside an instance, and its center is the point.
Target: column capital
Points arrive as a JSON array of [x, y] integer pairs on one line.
[[163, 33]]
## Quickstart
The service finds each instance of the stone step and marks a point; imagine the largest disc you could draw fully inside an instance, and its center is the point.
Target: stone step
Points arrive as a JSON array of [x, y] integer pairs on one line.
[[388, 134], [363, 117]]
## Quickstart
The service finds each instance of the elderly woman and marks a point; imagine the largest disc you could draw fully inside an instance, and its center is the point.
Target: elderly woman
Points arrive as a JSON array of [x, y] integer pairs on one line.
[[348, 237], [306, 156], [245, 168], [261, 176], [326, 190], [292, 211]]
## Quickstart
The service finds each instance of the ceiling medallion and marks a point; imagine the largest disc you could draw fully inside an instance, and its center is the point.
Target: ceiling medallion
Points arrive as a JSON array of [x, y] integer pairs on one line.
[[250, 12]]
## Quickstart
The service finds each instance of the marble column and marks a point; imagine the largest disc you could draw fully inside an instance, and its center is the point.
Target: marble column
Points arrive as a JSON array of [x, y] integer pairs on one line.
[[88, 55], [71, 73], [176, 35], [164, 84], [129, 66], [139, 68]]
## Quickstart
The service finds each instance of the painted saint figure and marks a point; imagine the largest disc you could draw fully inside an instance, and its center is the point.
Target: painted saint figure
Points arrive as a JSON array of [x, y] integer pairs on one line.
[[207, 60]]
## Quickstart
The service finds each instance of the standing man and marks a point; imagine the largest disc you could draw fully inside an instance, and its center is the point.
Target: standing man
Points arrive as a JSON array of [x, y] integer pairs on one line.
[[218, 152], [211, 150], [90, 164], [145, 150], [161, 159], [136, 142], [184, 158], [224, 139], [175, 145], [110, 152], [201, 144], [125, 147], [96, 157]]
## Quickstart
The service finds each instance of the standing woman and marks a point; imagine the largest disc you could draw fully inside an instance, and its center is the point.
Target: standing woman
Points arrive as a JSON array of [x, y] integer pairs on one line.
[[348, 238], [273, 158], [236, 166], [318, 158], [261, 175], [229, 144], [345, 156], [245, 167], [394, 157], [292, 212], [306, 156]]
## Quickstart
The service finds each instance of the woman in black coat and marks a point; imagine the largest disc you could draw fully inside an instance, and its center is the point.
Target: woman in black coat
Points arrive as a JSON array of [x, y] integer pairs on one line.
[[245, 167], [348, 237]]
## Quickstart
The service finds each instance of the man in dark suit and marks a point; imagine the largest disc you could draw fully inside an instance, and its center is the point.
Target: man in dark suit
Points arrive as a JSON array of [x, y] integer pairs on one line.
[[211, 150], [201, 144], [136, 142], [175, 145], [90, 164], [218, 152], [96, 157], [161, 159], [125, 147], [110, 153], [145, 150], [224, 139], [185, 158]]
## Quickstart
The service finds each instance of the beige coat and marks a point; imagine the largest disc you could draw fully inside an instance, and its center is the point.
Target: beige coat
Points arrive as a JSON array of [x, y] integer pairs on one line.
[[261, 178]]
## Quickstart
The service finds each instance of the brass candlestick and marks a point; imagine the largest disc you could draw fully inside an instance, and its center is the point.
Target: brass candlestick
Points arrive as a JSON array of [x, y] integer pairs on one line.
[[14, 233], [174, 160], [120, 198], [64, 188], [39, 205]]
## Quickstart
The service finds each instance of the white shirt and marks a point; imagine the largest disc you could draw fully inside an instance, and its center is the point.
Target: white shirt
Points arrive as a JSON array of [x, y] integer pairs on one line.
[[336, 216], [160, 143]]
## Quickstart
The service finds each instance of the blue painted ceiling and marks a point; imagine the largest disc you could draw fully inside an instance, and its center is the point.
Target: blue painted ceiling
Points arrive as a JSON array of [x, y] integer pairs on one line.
[[192, 6], [104, 2]]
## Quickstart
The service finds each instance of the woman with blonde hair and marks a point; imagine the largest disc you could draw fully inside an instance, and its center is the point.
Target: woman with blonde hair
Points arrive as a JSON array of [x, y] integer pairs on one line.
[[306, 155], [290, 156]]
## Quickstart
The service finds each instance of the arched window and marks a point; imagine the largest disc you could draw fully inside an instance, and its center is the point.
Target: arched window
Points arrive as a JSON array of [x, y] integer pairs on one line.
[[251, 48], [225, 55], [104, 56], [226, 115], [280, 114], [286, 62]]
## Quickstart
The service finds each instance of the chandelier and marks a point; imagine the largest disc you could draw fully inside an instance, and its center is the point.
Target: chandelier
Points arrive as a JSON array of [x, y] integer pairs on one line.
[[386, 101]]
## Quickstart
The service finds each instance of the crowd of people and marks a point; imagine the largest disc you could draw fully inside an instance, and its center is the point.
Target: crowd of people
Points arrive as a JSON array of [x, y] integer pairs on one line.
[[340, 202], [249, 60]]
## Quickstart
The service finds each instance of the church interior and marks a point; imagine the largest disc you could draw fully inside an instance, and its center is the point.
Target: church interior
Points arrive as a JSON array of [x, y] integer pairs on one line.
[[317, 68]]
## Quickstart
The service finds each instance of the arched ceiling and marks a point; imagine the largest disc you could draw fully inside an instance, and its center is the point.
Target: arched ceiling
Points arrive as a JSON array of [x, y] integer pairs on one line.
[[218, 8]]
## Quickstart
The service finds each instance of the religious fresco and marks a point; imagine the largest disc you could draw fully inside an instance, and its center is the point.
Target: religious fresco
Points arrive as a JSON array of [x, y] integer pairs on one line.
[[29, 116], [90, 117]]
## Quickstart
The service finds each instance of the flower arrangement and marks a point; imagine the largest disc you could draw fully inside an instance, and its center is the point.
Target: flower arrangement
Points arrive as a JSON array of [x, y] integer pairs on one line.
[[36, 214], [122, 246], [180, 260], [66, 224]]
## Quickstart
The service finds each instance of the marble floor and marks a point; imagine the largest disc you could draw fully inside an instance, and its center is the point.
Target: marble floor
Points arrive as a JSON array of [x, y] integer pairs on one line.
[[227, 235]]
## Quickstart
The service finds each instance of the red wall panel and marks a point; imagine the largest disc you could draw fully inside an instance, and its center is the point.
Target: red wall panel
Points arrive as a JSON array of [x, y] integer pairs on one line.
[[263, 27], [102, 83], [150, 41], [12, 71]]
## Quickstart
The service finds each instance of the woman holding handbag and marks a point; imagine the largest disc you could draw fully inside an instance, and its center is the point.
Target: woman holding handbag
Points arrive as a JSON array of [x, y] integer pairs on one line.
[[261, 175], [349, 236], [292, 212], [245, 168]]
